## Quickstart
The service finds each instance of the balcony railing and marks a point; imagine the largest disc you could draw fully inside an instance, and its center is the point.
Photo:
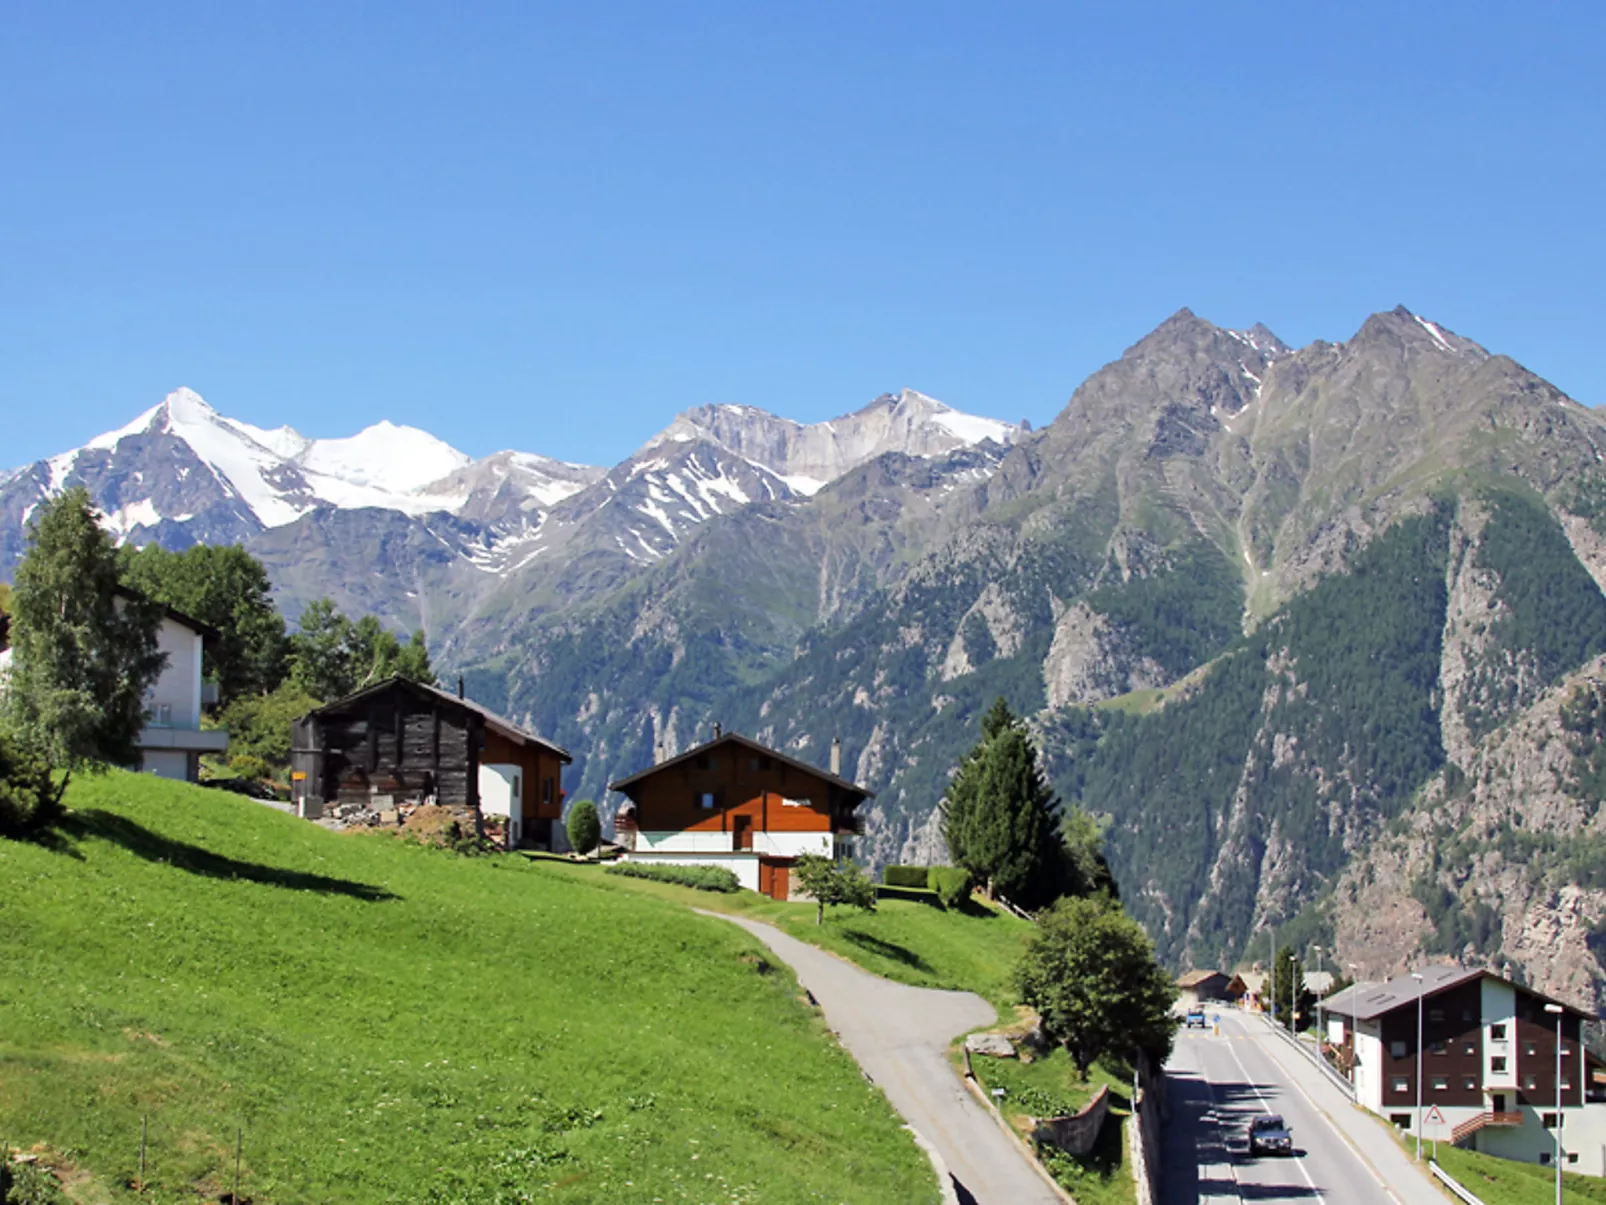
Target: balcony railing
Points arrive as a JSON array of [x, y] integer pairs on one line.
[[1472, 1125], [199, 740]]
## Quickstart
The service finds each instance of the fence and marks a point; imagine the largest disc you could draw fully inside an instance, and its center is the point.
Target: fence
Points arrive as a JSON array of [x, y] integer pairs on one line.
[[1450, 1182]]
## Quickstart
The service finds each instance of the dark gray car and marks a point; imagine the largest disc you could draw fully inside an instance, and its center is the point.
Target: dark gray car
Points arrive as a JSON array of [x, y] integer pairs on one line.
[[1269, 1134]]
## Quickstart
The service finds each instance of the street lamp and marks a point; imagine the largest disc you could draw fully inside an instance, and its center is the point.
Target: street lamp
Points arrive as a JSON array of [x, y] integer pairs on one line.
[[1419, 987], [1559, 1013], [1321, 1034]]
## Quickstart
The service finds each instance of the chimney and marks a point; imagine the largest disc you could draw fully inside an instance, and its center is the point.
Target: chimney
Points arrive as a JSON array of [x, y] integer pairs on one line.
[[459, 686], [718, 731], [836, 756]]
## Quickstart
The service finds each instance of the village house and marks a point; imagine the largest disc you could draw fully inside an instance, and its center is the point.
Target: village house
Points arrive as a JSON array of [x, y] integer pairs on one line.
[[1488, 1058], [732, 802], [172, 741], [1197, 988], [400, 744]]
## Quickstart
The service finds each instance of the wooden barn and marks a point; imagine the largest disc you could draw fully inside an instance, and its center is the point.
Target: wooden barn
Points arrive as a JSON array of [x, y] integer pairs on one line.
[[735, 803], [400, 744]]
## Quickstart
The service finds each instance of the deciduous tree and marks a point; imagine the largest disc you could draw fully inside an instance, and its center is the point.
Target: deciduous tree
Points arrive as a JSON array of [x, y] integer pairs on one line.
[[331, 657], [834, 883], [1090, 972], [84, 651]]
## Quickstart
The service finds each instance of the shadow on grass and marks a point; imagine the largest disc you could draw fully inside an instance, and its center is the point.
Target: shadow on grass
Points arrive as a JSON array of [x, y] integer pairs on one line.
[[153, 847], [886, 949]]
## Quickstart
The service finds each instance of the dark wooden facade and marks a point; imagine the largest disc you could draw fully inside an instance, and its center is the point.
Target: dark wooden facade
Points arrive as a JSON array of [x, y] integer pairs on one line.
[[404, 743]]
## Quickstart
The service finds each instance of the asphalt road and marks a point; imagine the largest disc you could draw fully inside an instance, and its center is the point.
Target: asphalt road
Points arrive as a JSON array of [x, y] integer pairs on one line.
[[1216, 1083], [900, 1036]]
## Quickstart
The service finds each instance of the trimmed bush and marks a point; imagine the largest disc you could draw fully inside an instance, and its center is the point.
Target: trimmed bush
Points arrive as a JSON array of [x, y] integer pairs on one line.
[[904, 876], [915, 895], [952, 885], [703, 878]]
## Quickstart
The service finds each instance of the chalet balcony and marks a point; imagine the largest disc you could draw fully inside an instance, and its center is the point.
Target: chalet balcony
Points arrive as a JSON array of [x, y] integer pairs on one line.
[[190, 740]]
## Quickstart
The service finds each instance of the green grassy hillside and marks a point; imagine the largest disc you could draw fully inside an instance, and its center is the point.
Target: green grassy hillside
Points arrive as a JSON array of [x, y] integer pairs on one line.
[[389, 1023]]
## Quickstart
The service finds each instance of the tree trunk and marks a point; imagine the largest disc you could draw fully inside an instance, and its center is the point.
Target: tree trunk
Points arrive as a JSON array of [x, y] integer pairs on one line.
[[819, 917]]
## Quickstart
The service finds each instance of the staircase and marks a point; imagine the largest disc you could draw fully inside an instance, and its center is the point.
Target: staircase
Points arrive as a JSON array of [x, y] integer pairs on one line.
[[1472, 1125]]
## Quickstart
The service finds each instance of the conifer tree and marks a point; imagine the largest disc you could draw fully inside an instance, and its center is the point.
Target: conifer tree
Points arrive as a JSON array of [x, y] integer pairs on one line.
[[1001, 819]]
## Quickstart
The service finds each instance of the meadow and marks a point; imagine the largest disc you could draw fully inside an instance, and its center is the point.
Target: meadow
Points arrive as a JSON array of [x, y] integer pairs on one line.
[[386, 1022], [1507, 1182]]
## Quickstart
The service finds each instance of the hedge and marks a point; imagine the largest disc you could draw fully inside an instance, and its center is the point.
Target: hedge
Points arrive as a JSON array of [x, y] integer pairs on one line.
[[703, 878], [904, 876], [952, 885]]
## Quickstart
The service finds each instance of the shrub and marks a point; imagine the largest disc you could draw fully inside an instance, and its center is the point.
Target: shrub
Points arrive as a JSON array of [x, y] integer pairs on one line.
[[952, 885], [904, 876], [703, 878], [584, 827], [28, 799]]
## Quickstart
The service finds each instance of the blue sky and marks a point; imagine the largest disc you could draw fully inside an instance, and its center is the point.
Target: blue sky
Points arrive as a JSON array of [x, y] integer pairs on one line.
[[552, 227]]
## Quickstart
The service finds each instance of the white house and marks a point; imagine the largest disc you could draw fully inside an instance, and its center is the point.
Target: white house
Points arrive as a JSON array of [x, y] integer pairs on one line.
[[173, 740], [1487, 1051]]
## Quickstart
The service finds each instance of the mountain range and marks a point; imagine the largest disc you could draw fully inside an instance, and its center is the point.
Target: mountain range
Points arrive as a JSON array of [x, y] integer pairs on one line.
[[1306, 628]]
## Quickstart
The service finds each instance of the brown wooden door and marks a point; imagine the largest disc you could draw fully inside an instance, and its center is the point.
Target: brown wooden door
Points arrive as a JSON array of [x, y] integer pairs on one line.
[[780, 881], [742, 831]]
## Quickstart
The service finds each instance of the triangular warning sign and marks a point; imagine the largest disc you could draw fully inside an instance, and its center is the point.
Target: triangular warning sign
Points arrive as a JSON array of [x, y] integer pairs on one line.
[[1434, 1117]]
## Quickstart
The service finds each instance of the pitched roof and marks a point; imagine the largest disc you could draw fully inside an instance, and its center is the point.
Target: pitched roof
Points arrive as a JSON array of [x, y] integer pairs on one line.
[[1368, 1001], [732, 738], [1195, 978], [492, 721]]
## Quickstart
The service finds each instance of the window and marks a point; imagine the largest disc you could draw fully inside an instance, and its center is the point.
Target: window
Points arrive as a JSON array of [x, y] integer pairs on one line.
[[1530, 1050], [1497, 1032], [1469, 1082], [1498, 1063], [1400, 1120], [706, 801], [1401, 1084], [1441, 1083], [1566, 1051], [1566, 1083], [162, 715], [546, 790], [1469, 1048], [518, 788], [1548, 1120], [1396, 1050], [1572, 1156], [1530, 1084], [1436, 1015], [1544, 1158], [1440, 1047]]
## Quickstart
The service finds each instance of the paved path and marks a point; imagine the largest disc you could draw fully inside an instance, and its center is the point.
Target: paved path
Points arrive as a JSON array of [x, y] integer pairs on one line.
[[1343, 1155], [900, 1036]]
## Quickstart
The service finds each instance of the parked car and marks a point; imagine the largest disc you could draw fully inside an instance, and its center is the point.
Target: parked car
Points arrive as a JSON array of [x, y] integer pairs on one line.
[[1196, 1019], [1269, 1134]]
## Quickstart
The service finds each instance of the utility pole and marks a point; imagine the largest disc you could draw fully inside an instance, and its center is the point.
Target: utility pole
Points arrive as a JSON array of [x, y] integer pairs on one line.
[[1271, 975], [1320, 1032], [1419, 987]]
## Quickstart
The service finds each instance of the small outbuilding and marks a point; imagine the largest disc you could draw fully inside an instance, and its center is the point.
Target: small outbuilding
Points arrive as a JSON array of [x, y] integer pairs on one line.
[[400, 743], [1202, 987]]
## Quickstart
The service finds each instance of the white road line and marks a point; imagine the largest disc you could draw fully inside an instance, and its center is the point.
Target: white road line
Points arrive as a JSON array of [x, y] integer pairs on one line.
[[1218, 1129], [1265, 1104], [1335, 1127]]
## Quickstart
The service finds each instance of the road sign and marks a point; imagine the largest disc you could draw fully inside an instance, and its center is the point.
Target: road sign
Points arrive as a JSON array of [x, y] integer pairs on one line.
[[1433, 1118]]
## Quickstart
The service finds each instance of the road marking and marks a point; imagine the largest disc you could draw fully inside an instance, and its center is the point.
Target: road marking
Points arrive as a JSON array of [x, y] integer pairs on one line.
[[1298, 1159], [1336, 1128]]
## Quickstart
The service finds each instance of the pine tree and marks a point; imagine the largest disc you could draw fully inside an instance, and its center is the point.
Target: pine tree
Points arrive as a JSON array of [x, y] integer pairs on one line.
[[84, 650], [1001, 819]]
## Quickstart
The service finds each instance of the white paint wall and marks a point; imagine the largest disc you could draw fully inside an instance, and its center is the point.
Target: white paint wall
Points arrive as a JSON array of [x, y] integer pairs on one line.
[[1583, 1133], [1368, 1067], [497, 789], [744, 865], [677, 841], [179, 686], [793, 845], [165, 763], [1500, 1008]]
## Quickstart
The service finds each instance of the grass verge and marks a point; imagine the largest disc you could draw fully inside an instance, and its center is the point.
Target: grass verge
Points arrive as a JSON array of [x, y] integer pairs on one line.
[[1050, 1087], [903, 940], [392, 1023], [1498, 1181]]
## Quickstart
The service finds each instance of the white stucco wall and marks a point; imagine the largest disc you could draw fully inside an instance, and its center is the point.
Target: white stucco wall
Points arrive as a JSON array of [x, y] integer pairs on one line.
[[684, 843], [793, 845], [498, 785], [179, 686], [1368, 1067], [1583, 1133], [165, 763], [744, 865], [1500, 1008]]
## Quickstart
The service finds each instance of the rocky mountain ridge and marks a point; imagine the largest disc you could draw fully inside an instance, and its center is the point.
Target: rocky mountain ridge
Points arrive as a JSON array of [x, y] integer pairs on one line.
[[1257, 600]]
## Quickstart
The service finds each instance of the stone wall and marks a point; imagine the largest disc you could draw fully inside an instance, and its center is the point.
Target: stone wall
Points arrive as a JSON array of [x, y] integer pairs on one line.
[[1076, 1134]]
